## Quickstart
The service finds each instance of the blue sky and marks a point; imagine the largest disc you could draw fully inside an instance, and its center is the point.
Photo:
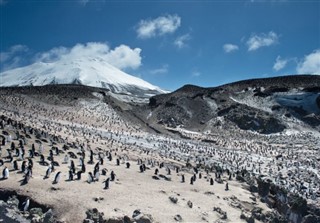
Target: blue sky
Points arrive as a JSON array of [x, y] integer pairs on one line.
[[169, 43]]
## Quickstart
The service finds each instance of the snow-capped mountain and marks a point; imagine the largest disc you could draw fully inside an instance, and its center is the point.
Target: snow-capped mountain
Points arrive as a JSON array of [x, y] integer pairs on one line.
[[90, 71]]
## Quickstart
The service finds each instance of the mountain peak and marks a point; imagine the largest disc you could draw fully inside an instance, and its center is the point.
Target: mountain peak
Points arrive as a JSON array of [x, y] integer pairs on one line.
[[90, 71]]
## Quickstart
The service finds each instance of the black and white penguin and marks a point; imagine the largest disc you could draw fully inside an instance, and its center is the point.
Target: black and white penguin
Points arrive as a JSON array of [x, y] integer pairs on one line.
[[182, 178], [57, 178], [128, 165], [118, 162], [141, 168], [211, 181], [72, 167], [70, 175], [191, 180], [5, 173], [106, 183], [112, 176], [96, 175], [15, 165], [79, 175], [90, 178], [48, 172], [25, 204], [156, 171], [26, 179]]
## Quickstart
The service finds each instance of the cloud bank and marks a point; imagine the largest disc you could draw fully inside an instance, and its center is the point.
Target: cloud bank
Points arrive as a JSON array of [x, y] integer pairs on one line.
[[262, 40], [279, 64], [310, 64], [158, 26], [122, 57], [180, 41], [228, 48]]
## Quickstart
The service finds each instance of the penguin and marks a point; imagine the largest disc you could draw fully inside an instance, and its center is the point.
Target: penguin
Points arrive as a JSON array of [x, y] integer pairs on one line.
[[112, 176], [79, 175], [118, 162], [141, 168], [26, 179], [72, 167], [23, 166], [15, 165], [48, 172], [128, 165], [96, 176], [66, 159], [211, 181], [91, 157], [156, 171], [106, 183], [104, 171], [83, 168], [101, 160], [90, 178], [57, 178], [70, 175], [25, 204], [110, 157], [5, 173], [41, 159], [182, 178], [31, 153], [30, 162], [97, 167], [227, 186], [191, 180], [81, 162], [57, 151]]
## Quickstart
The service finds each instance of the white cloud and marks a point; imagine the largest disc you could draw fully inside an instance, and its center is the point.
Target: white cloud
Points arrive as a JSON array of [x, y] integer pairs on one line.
[[13, 57], [228, 48], [310, 64], [180, 41], [12, 52], [122, 57], [280, 63], [257, 41], [158, 27], [161, 70]]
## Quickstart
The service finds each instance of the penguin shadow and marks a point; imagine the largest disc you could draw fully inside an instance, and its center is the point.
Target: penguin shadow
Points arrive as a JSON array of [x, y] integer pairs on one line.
[[44, 163], [2, 179], [22, 182], [54, 182]]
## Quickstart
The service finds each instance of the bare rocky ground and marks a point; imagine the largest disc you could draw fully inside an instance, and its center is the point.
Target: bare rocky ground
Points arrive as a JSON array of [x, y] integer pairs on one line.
[[255, 177]]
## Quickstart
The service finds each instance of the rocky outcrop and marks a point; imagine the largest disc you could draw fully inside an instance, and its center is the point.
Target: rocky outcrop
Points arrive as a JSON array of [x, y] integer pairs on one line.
[[11, 211], [94, 216], [288, 207]]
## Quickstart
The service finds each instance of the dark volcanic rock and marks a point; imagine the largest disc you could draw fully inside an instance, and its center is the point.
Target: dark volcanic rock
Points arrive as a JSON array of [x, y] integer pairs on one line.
[[200, 109]]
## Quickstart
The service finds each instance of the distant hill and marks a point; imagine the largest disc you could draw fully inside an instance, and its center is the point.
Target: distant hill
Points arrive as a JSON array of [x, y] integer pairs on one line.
[[268, 105]]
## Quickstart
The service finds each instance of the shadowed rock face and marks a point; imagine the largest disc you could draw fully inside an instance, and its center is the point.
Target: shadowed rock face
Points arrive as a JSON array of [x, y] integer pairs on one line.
[[261, 105]]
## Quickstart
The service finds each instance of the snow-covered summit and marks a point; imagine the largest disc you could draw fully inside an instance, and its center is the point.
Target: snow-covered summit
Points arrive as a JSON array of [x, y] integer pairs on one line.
[[90, 71]]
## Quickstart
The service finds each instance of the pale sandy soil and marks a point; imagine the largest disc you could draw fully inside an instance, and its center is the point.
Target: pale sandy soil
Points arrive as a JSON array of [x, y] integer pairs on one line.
[[132, 190]]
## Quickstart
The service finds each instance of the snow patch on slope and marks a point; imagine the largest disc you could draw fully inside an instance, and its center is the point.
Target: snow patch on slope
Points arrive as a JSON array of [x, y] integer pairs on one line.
[[90, 71]]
